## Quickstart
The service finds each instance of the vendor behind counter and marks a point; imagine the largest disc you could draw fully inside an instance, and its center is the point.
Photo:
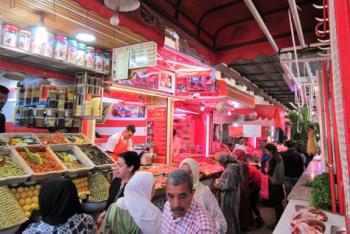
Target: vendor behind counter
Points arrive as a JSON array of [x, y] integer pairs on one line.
[[3, 99], [120, 142]]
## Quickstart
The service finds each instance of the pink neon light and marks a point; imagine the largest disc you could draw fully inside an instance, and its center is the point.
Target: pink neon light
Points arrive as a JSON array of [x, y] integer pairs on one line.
[[186, 111], [207, 138], [202, 108]]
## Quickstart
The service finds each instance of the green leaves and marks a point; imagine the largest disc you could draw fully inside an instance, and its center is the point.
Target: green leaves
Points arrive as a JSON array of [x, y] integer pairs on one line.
[[320, 193]]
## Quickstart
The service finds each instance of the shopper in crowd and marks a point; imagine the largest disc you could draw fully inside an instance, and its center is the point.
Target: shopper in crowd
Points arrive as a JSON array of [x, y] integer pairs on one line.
[[181, 213], [311, 142], [120, 142], [176, 146], [241, 144], [276, 180], [134, 213], [245, 218], [61, 210], [128, 163], [293, 165], [3, 99], [301, 149], [229, 186], [203, 195]]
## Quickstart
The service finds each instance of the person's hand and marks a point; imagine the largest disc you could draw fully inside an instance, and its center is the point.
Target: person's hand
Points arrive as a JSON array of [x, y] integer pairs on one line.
[[101, 217], [217, 183]]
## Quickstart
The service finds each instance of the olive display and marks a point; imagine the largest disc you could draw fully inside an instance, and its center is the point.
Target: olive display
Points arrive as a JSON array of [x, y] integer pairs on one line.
[[99, 187], [96, 155]]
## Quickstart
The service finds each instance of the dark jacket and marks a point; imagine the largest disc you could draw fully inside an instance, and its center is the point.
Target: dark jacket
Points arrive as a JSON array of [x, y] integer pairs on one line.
[[293, 163]]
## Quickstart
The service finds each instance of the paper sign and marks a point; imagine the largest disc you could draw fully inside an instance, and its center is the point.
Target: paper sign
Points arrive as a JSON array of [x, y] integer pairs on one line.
[[252, 130], [143, 55], [120, 63]]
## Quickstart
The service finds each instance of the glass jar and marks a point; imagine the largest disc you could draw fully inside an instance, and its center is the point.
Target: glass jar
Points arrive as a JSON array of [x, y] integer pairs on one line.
[[38, 40], [9, 37], [72, 51], [90, 57], [106, 62], [61, 47], [23, 40], [49, 45], [99, 61], [81, 54]]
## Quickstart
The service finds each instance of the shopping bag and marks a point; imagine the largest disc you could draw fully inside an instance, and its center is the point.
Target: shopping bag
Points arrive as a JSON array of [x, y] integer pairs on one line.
[[264, 189]]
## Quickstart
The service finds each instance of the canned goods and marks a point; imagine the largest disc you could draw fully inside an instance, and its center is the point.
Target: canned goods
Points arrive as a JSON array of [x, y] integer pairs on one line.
[[9, 37], [81, 54], [61, 47], [90, 57], [23, 40]]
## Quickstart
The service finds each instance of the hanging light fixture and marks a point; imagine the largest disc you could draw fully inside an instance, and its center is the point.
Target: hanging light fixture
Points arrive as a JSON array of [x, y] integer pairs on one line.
[[120, 6], [86, 36]]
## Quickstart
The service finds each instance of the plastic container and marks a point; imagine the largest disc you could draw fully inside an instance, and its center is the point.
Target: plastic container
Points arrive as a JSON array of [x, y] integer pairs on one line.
[[39, 122], [38, 41], [50, 122], [20, 94], [99, 60], [9, 35], [60, 122], [68, 113], [28, 96], [90, 57], [106, 62], [51, 112], [53, 103], [68, 105], [61, 47], [27, 112], [23, 40], [72, 51], [39, 111], [76, 123], [61, 113], [35, 94], [49, 50], [81, 54], [68, 122]]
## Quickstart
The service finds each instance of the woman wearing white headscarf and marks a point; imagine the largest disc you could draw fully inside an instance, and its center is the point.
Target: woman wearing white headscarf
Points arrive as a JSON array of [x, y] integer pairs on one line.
[[134, 213], [204, 196]]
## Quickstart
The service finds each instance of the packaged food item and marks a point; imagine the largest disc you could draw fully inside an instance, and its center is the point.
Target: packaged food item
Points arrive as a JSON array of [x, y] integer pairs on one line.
[[35, 94], [96, 106], [49, 45], [39, 122], [50, 122], [76, 123], [90, 57], [9, 35], [20, 94], [38, 40], [68, 122], [70, 95], [44, 93], [68, 113], [61, 113], [99, 61], [28, 96], [81, 54], [39, 111], [68, 105], [72, 51], [51, 112], [106, 62], [60, 122], [23, 40], [53, 103], [61, 47], [52, 94]]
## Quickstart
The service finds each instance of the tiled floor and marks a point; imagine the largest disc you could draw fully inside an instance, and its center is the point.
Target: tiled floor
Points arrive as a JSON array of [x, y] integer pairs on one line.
[[268, 214]]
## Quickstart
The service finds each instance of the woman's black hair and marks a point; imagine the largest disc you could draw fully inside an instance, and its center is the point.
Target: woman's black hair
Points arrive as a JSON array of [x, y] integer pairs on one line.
[[273, 149], [131, 158]]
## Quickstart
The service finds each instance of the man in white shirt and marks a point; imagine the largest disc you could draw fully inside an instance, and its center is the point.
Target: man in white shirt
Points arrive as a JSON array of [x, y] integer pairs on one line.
[[176, 144], [120, 142], [240, 145]]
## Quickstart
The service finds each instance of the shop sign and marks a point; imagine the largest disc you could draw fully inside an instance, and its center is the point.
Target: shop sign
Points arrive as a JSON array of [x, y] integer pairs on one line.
[[196, 73], [252, 130], [235, 131], [126, 112]]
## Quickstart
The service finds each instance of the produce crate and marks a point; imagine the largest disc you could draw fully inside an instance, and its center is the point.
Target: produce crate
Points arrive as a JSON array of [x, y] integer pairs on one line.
[[107, 165], [79, 136], [8, 136], [87, 163], [10, 152], [61, 170], [52, 138]]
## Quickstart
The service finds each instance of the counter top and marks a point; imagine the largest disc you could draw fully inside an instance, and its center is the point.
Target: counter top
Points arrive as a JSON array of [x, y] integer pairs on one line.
[[284, 225], [300, 195]]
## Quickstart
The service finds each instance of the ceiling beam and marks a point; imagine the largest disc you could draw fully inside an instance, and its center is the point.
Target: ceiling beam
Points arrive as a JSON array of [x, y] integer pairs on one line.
[[265, 81], [262, 73], [178, 3], [212, 11], [252, 18], [237, 65]]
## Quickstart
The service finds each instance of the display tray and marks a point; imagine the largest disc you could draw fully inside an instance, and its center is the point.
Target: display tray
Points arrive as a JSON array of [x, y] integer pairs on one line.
[[19, 139], [50, 160], [100, 159], [10, 152], [88, 165], [52, 138], [48, 62], [77, 138]]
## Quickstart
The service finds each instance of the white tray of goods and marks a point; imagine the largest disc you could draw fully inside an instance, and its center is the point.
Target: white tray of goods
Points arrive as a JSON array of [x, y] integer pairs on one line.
[[100, 159], [52, 138], [77, 138], [11, 213], [73, 158], [42, 162], [13, 169], [20, 139]]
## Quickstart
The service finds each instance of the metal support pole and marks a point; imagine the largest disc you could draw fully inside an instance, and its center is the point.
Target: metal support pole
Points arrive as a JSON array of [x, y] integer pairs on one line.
[[169, 132]]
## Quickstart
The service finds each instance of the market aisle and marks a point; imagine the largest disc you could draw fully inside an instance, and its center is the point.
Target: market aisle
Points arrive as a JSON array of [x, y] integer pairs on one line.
[[268, 216]]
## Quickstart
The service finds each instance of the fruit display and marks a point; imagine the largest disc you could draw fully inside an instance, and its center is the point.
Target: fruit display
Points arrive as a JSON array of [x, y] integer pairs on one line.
[[20, 140], [99, 187], [8, 167], [27, 197], [39, 159], [52, 139], [82, 186], [96, 155], [161, 170], [2, 142], [11, 213], [69, 159], [77, 139]]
